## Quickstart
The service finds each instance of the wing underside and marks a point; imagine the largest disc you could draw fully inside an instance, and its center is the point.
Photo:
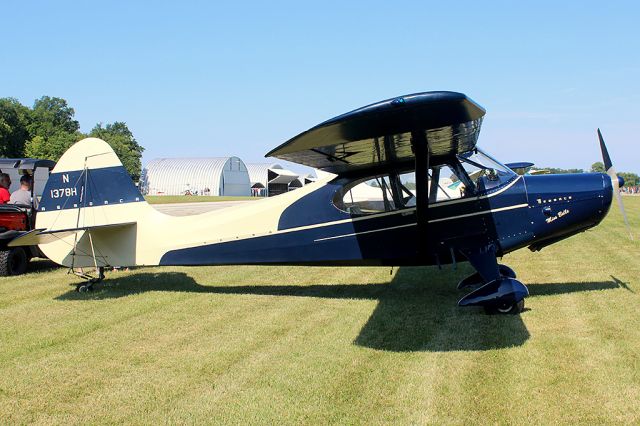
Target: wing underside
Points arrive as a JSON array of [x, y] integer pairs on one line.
[[381, 135]]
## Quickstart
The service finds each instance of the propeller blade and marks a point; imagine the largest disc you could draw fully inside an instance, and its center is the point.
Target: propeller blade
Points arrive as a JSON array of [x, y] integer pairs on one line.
[[624, 214], [605, 154], [608, 165]]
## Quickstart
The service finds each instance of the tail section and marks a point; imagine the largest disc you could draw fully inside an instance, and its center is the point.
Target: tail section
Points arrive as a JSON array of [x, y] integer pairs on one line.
[[89, 174], [90, 209]]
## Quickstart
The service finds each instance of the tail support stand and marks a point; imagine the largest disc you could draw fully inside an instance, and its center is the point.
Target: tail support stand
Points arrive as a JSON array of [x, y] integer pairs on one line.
[[90, 279]]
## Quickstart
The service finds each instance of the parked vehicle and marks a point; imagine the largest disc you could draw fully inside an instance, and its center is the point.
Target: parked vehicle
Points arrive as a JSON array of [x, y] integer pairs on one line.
[[16, 218]]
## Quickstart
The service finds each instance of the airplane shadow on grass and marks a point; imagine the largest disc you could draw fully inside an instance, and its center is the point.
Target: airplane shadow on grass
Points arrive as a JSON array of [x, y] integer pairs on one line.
[[416, 311]]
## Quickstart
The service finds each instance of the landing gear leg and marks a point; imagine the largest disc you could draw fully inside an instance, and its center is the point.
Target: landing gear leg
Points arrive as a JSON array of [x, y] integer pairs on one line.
[[501, 292], [90, 279], [475, 279]]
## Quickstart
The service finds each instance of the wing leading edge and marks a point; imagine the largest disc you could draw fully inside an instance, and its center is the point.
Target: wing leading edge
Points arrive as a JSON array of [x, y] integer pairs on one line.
[[379, 135]]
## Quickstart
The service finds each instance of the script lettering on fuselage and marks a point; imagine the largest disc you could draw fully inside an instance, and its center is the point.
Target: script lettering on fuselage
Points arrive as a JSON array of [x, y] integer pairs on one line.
[[557, 216]]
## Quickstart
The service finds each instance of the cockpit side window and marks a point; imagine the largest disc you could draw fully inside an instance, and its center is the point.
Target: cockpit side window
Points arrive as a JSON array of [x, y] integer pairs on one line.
[[382, 193], [445, 184], [463, 176], [484, 172], [392, 192]]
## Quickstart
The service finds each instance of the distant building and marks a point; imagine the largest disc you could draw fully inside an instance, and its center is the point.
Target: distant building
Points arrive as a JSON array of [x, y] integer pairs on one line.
[[308, 178], [269, 179], [221, 176], [296, 183]]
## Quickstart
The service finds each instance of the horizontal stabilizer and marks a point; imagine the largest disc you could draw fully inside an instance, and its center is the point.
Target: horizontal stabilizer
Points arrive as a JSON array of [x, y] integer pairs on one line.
[[44, 236], [519, 165]]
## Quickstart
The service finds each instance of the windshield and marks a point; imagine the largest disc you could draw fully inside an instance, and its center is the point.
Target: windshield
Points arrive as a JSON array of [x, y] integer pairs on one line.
[[485, 172]]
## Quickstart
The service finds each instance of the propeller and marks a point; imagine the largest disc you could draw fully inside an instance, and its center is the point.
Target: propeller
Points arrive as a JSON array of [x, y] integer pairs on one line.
[[616, 181]]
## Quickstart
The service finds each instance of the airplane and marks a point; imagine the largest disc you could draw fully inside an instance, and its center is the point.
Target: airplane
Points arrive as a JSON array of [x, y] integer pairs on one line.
[[92, 215]]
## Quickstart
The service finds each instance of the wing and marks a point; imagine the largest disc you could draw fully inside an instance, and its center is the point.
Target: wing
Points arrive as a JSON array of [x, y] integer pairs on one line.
[[379, 135]]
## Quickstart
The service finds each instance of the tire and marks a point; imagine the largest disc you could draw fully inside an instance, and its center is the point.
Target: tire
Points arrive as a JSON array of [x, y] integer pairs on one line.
[[13, 262], [513, 309]]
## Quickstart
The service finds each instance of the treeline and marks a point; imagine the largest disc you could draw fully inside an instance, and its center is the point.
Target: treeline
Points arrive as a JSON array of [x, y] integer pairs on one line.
[[48, 129], [630, 179], [557, 171]]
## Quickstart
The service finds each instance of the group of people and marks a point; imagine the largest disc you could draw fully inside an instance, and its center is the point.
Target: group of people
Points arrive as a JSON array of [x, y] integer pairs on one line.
[[21, 196]]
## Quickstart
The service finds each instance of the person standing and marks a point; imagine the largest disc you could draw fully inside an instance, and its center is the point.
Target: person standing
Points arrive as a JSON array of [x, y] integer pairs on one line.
[[5, 184]]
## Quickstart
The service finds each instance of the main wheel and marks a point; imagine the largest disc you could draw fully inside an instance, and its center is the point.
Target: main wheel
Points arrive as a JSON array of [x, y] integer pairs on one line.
[[13, 262], [506, 309]]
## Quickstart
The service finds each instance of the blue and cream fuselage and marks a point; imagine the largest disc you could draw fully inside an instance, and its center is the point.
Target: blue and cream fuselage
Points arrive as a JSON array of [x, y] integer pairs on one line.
[[91, 194], [312, 230]]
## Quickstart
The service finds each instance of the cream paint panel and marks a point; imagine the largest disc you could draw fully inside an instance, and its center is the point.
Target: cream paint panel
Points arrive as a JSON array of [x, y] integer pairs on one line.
[[156, 233], [96, 152]]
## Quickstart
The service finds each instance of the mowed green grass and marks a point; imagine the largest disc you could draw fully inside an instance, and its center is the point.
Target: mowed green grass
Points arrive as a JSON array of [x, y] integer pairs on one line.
[[291, 345], [173, 199]]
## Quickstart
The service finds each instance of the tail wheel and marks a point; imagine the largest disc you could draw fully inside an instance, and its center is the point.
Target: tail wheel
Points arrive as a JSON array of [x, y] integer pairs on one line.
[[13, 262]]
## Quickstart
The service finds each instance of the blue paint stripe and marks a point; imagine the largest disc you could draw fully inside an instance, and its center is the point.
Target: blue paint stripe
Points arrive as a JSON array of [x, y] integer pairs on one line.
[[93, 187], [301, 246]]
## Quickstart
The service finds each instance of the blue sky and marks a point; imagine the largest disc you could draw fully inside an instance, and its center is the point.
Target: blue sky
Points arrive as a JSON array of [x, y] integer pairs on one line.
[[238, 78]]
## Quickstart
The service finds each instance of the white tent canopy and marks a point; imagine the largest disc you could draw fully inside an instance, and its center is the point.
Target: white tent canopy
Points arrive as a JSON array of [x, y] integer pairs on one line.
[[273, 177], [259, 172]]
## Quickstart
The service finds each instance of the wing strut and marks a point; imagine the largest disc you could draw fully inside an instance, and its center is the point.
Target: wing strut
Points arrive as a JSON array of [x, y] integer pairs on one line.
[[421, 152]]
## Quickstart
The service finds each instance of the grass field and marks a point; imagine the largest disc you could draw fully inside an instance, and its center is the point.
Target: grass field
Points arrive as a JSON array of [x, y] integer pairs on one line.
[[329, 345], [173, 199]]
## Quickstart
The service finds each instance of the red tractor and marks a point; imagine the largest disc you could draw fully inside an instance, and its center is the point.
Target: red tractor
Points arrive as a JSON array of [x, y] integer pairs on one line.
[[17, 218]]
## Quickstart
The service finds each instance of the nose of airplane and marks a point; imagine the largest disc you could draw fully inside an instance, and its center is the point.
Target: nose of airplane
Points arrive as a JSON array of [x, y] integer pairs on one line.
[[564, 205]]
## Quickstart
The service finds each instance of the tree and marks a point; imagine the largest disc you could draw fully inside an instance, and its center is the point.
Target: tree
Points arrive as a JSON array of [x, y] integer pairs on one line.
[[120, 138], [48, 129], [52, 128], [51, 117], [555, 170], [598, 167], [14, 121], [51, 148], [630, 179]]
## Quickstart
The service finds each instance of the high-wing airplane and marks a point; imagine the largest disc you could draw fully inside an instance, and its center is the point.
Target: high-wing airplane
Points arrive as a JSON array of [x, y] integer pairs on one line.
[[92, 215]]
